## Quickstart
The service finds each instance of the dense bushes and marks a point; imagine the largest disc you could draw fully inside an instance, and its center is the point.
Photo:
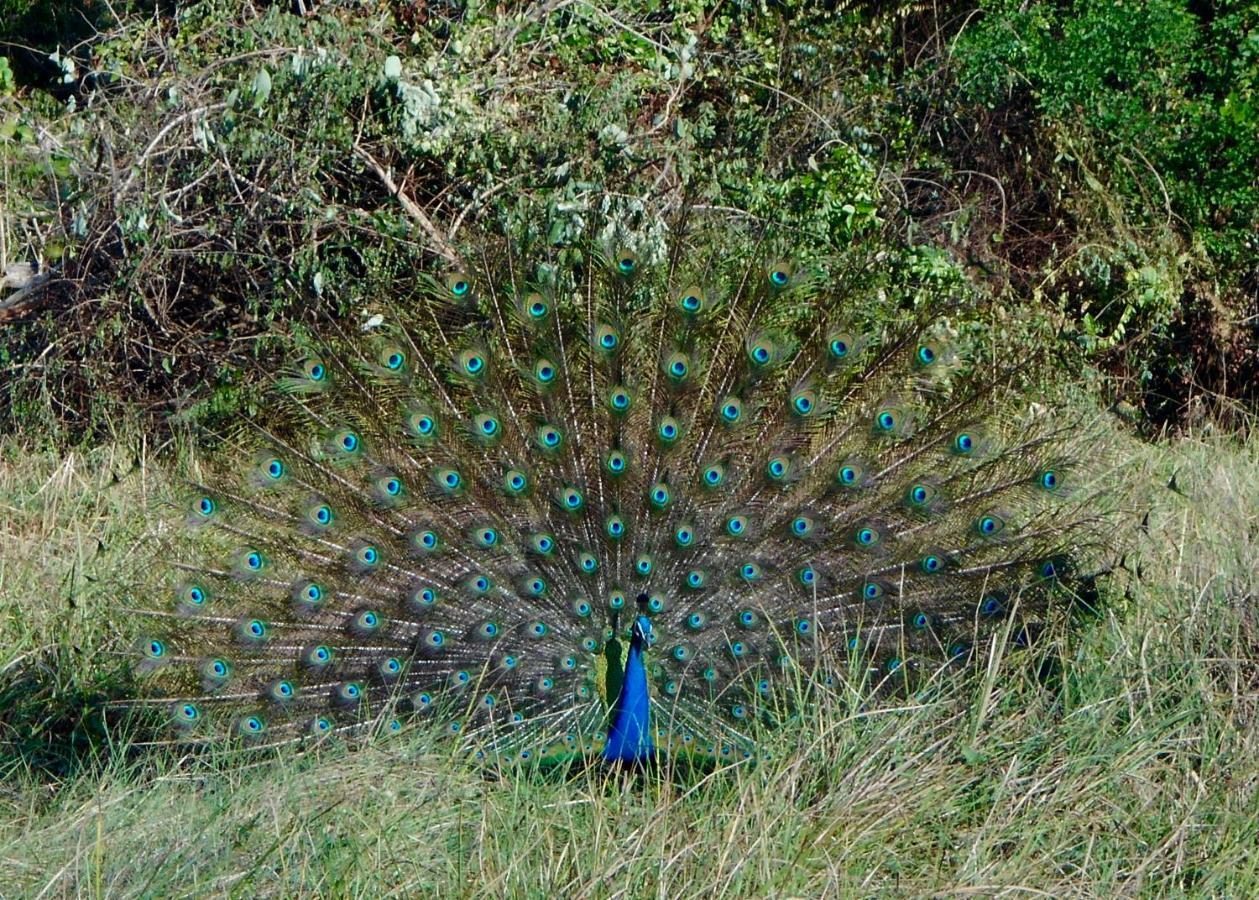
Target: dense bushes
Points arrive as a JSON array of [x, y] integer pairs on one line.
[[199, 183]]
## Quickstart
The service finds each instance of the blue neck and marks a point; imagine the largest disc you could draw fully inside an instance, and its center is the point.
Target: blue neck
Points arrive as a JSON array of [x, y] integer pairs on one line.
[[629, 738]]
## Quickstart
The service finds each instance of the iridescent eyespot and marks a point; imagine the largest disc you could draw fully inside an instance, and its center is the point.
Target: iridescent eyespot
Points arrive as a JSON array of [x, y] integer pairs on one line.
[[731, 410], [616, 462], [619, 399], [581, 608], [487, 427], [684, 536], [314, 371], [920, 621], [544, 372], [366, 556], [458, 284], [802, 526], [738, 649], [252, 631], [807, 576], [421, 424], [736, 526], [571, 499], [205, 507], [660, 495], [449, 480], [485, 537], [392, 359], [346, 443], [696, 621], [607, 338], [479, 584], [842, 345], [643, 565], [308, 595], [778, 468], [215, 673], [250, 726], [873, 590], [750, 572], [866, 536], [691, 301], [1049, 480], [695, 579], [932, 563], [626, 262], [542, 543], [990, 524], [191, 597], [588, 563], [281, 691], [616, 600], [991, 606], [614, 527], [804, 627], [473, 363], [804, 403], [487, 630], [318, 656], [655, 604], [185, 715], [536, 307], [714, 475], [515, 482], [548, 437], [366, 621], [668, 430], [761, 351], [926, 355], [778, 275], [678, 367], [423, 598]]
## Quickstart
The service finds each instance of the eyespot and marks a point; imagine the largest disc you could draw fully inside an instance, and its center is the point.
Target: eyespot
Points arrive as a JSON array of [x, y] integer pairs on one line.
[[695, 579], [544, 372], [421, 424], [614, 527], [253, 631], [643, 565], [920, 621], [692, 300], [872, 591], [750, 572], [867, 536], [989, 524], [778, 468], [250, 726], [619, 399], [479, 585], [536, 307], [423, 598], [677, 366], [205, 507], [485, 537], [714, 475], [582, 609], [616, 462], [616, 600], [684, 536], [736, 526], [655, 604], [926, 355], [696, 621], [607, 338], [761, 351], [487, 427], [1049, 480], [804, 627], [392, 359], [366, 621], [314, 371], [487, 630], [458, 285], [473, 364], [571, 499], [738, 649], [548, 438], [281, 691], [681, 653], [778, 274], [802, 526], [668, 430], [932, 563], [807, 576], [731, 410], [992, 606], [515, 482], [626, 262], [804, 402], [449, 480], [842, 345], [542, 543], [191, 598], [346, 442], [308, 595], [587, 563], [318, 656], [660, 495], [215, 673], [748, 619]]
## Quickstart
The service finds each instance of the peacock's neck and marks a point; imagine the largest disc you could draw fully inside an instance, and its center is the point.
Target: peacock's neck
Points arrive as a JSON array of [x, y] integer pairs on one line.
[[629, 738]]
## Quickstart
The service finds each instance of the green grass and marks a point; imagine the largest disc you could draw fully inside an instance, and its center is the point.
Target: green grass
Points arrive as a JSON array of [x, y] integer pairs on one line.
[[1138, 773]]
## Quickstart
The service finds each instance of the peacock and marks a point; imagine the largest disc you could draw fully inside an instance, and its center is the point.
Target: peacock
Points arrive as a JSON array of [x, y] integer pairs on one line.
[[606, 499]]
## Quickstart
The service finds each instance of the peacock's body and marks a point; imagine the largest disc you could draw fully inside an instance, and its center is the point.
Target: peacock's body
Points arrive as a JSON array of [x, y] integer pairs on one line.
[[587, 503]]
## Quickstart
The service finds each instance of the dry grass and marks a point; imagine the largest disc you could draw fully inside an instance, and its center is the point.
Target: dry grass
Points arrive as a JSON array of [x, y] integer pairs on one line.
[[1138, 776]]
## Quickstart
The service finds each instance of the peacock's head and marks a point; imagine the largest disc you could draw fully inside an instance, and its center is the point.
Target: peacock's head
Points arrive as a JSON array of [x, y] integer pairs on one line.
[[641, 633]]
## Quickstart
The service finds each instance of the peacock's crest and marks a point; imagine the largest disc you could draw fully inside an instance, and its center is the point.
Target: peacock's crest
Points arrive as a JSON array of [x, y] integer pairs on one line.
[[603, 501]]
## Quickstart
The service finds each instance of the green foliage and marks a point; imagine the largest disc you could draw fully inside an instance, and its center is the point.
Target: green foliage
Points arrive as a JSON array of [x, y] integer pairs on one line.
[[1154, 104]]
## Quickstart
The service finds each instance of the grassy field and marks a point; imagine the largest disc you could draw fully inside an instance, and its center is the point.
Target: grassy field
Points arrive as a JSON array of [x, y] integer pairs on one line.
[[1135, 772]]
